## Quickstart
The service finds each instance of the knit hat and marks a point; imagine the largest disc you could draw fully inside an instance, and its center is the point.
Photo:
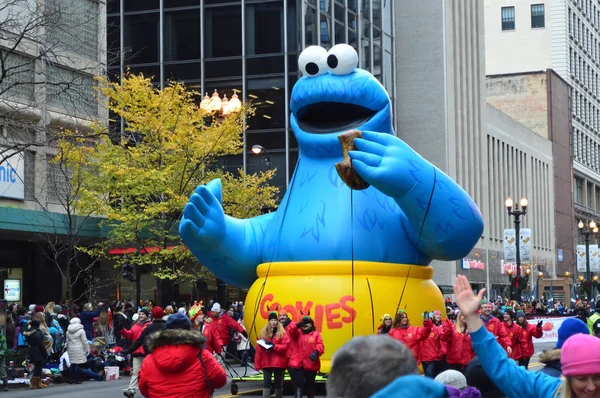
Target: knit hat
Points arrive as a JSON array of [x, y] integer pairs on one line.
[[216, 307], [520, 314], [75, 321], [282, 312], [31, 307], [577, 358], [385, 316], [157, 312], [569, 327], [145, 311], [169, 310], [178, 321], [467, 392], [272, 315], [452, 378], [38, 308], [511, 313], [437, 312], [57, 309]]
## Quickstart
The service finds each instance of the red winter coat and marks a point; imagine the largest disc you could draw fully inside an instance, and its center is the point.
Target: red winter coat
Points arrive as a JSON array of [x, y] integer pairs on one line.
[[458, 345], [221, 326], [211, 343], [431, 347], [304, 344], [276, 357], [173, 369], [412, 336], [291, 352], [495, 327], [514, 336], [527, 335], [133, 334]]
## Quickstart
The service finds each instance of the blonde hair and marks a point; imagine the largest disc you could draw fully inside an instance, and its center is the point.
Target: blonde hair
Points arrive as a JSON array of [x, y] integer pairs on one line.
[[460, 325], [565, 390], [39, 316], [50, 307], [266, 333]]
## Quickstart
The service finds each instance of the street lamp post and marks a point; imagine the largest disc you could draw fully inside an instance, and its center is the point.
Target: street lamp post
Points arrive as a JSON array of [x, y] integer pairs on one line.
[[518, 283], [258, 149], [587, 231]]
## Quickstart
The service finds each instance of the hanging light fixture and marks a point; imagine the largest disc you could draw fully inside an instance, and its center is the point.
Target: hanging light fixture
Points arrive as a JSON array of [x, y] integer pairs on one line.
[[215, 102], [204, 103], [225, 109], [235, 105]]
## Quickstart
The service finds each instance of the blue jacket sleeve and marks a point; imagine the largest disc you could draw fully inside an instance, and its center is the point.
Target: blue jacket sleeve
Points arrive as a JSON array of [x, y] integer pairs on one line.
[[513, 381]]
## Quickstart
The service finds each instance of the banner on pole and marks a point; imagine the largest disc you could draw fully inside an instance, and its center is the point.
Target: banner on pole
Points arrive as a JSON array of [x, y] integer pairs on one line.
[[580, 258], [525, 244], [510, 246], [594, 263]]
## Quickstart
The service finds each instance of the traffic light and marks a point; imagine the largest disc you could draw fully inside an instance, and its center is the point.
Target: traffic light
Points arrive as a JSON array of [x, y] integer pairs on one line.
[[128, 272]]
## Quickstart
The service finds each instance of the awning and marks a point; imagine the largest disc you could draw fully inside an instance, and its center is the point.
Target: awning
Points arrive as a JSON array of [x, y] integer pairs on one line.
[[446, 289]]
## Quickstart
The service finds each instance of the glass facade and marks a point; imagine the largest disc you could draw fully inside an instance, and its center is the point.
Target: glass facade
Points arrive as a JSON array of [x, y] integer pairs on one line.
[[250, 47]]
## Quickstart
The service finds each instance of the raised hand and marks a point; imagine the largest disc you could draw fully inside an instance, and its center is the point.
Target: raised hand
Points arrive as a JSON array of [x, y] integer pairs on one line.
[[387, 163], [203, 220], [467, 301]]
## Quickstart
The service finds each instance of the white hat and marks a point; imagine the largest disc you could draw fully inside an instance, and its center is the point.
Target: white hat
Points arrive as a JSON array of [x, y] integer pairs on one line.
[[216, 307], [452, 378]]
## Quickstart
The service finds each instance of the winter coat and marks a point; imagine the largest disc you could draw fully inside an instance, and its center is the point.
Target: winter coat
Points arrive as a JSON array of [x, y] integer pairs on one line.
[[10, 335], [291, 352], [431, 347], [383, 330], [514, 336], [120, 322], [157, 325], [276, 357], [221, 325], [527, 335], [87, 320], [20, 340], [211, 344], [495, 327], [458, 345], [77, 343], [37, 351], [48, 340], [304, 345], [133, 334], [174, 370], [513, 381], [3, 346], [551, 360], [412, 336]]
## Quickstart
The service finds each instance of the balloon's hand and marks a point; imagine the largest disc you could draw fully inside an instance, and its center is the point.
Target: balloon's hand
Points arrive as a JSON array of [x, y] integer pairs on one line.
[[203, 220], [386, 162]]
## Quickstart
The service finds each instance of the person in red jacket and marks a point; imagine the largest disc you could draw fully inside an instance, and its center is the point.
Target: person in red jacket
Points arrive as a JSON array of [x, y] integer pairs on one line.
[[138, 355], [308, 347], [178, 366], [513, 332], [430, 352], [493, 325], [458, 343], [528, 332], [222, 325], [273, 359], [411, 336], [285, 321], [202, 323]]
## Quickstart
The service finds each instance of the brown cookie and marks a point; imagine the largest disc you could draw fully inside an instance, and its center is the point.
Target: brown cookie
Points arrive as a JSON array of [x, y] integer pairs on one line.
[[344, 169]]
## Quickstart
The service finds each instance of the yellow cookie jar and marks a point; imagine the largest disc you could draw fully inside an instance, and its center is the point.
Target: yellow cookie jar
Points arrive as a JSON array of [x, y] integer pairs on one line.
[[344, 298]]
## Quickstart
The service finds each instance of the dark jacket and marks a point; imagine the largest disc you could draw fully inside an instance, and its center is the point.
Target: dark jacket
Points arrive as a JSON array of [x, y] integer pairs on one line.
[[37, 351], [156, 326], [120, 321], [551, 360], [87, 320]]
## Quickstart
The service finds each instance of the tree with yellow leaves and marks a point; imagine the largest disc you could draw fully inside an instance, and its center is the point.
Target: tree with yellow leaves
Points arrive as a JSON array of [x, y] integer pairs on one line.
[[141, 180]]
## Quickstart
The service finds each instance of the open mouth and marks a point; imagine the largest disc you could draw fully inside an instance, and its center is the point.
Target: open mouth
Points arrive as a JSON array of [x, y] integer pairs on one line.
[[332, 117]]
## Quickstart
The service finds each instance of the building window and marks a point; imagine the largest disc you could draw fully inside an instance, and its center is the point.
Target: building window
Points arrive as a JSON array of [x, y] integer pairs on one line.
[[578, 190], [508, 18], [538, 19]]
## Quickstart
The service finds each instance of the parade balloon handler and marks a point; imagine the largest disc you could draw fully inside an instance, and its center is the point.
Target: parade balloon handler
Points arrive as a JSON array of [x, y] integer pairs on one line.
[[361, 245], [271, 355]]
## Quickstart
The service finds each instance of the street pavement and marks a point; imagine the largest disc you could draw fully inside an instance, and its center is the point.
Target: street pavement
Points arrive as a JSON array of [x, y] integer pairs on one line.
[[112, 389]]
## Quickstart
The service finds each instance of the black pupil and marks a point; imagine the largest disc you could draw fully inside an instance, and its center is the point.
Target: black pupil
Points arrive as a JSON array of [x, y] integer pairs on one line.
[[332, 61], [312, 68]]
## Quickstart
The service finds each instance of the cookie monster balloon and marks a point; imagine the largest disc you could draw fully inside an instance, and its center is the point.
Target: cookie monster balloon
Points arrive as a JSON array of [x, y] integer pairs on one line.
[[340, 255]]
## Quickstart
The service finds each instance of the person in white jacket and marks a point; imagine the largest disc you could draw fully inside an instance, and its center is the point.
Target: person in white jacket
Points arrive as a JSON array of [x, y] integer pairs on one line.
[[78, 349]]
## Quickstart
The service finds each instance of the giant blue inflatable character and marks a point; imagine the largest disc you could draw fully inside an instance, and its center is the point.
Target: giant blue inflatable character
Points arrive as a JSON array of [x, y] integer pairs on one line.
[[344, 256]]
